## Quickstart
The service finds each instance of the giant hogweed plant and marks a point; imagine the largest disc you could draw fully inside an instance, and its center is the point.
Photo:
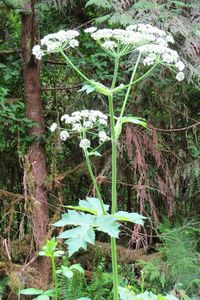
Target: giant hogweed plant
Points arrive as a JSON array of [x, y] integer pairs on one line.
[[151, 48]]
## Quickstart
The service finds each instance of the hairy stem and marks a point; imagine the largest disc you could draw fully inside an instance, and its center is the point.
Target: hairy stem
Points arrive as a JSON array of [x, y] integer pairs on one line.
[[114, 181]]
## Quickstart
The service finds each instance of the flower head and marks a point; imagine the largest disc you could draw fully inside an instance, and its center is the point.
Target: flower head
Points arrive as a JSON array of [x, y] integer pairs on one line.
[[84, 144], [53, 127], [54, 42], [180, 76], [64, 134]]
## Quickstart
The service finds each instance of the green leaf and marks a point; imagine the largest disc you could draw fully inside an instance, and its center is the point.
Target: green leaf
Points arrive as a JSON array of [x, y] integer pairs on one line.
[[129, 217], [67, 272], [49, 248], [133, 120], [50, 292], [58, 253], [87, 88], [78, 268], [31, 291], [91, 205], [102, 89], [94, 153], [75, 218], [74, 245], [42, 297], [78, 237], [108, 224], [83, 298], [103, 4]]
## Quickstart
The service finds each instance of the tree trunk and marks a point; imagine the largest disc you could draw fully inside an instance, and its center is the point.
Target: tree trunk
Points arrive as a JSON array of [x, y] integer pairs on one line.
[[35, 154]]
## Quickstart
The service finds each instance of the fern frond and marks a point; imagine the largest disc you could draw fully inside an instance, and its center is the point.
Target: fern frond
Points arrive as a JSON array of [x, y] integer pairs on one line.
[[102, 4]]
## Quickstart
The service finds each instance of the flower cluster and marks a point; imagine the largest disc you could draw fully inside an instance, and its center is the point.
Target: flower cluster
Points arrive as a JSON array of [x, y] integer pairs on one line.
[[150, 41], [54, 42], [82, 122]]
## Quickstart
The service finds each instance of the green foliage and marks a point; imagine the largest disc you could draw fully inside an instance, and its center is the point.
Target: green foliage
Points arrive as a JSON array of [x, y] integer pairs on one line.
[[179, 251], [153, 275], [84, 233], [126, 294], [102, 4], [12, 121], [3, 284], [41, 295]]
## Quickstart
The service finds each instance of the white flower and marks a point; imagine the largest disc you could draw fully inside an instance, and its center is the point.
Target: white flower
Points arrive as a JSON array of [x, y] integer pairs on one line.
[[90, 30], [84, 144], [87, 124], [66, 118], [102, 34], [180, 76], [103, 136], [170, 39], [109, 45], [38, 52], [64, 135], [76, 127], [85, 113], [53, 127], [103, 122], [180, 65], [73, 43]]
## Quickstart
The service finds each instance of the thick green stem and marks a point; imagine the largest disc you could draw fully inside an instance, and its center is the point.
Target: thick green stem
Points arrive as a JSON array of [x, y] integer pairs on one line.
[[94, 181], [114, 182], [54, 277], [74, 67]]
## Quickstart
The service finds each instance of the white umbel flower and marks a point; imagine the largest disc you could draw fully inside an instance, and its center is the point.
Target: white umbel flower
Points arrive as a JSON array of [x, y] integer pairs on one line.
[[180, 76], [90, 29], [84, 144], [38, 52], [109, 45], [64, 134], [103, 136], [53, 127], [73, 43], [180, 65]]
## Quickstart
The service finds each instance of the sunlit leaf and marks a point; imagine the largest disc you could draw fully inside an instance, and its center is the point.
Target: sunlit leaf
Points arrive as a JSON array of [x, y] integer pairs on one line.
[[129, 217]]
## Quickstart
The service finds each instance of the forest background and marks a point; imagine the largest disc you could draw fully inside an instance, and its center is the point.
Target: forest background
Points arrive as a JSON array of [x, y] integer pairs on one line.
[[158, 168]]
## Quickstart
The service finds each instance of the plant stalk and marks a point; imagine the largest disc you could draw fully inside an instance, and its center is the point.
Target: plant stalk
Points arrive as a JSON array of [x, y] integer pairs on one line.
[[94, 181], [114, 181], [54, 277], [75, 68]]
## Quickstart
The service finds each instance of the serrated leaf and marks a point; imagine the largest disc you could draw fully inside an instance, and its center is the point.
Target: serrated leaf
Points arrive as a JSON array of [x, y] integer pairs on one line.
[[129, 217], [108, 224], [78, 237], [75, 218], [31, 291], [91, 205], [74, 245]]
